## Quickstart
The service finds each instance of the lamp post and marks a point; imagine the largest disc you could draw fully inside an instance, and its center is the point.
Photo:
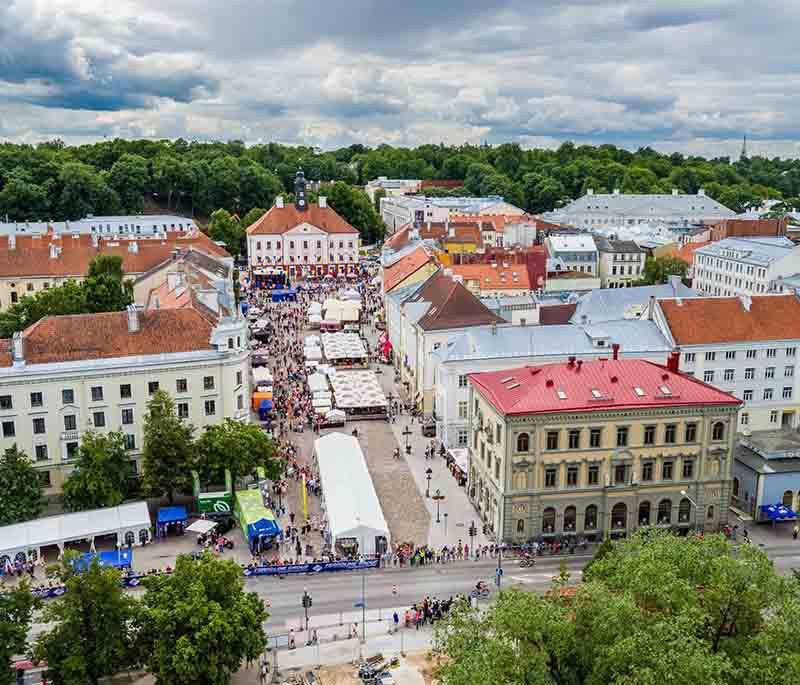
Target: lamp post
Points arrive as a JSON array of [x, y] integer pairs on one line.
[[692, 502], [306, 604], [438, 497], [428, 474], [407, 434]]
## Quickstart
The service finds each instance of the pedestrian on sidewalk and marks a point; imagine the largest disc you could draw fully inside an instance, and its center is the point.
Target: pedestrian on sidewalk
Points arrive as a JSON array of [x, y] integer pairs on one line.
[[396, 620], [795, 532]]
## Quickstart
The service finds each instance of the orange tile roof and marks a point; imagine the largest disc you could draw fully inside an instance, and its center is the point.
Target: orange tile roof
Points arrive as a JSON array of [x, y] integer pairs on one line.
[[399, 238], [395, 274], [686, 253], [705, 320], [495, 278], [31, 258], [104, 336], [279, 220]]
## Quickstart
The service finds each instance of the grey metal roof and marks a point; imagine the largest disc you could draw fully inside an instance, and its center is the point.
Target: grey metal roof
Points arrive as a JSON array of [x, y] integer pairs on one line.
[[762, 465], [619, 246], [634, 337], [628, 203], [616, 304], [751, 250]]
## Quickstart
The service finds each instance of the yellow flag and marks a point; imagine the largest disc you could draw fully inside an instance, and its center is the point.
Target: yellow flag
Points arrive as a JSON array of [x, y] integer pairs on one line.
[[305, 498]]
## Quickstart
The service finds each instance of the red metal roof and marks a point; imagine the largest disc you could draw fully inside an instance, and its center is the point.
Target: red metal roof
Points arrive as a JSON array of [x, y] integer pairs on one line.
[[594, 386]]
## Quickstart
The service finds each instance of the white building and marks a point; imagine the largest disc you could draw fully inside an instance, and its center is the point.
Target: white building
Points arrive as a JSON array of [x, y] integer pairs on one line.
[[138, 225], [626, 209], [65, 375], [742, 345], [396, 212], [744, 266], [621, 262], [576, 253], [393, 187], [304, 238], [490, 349]]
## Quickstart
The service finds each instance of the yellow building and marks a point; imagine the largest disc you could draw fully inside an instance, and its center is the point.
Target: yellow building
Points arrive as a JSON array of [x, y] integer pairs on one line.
[[599, 448]]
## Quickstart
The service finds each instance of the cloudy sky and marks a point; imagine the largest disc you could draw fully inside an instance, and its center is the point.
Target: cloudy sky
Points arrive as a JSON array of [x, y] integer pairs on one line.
[[689, 75]]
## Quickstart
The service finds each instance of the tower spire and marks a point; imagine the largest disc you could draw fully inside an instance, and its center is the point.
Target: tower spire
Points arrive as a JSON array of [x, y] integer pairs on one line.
[[744, 148]]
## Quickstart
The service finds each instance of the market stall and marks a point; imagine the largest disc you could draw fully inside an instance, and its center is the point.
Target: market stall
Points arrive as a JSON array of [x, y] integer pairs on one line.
[[119, 558], [359, 395], [354, 518], [259, 525], [458, 462], [344, 350], [171, 520]]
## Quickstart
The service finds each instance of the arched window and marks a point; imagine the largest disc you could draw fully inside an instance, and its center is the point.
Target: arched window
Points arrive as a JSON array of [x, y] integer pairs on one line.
[[735, 487], [144, 535], [644, 514], [590, 518], [130, 538], [684, 511], [665, 511], [710, 513], [549, 520], [619, 516], [520, 525], [523, 442], [787, 499], [718, 431], [570, 514]]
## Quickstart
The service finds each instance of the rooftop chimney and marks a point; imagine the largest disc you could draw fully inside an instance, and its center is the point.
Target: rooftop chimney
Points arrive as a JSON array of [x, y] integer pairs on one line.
[[279, 202], [675, 282], [571, 361], [53, 251], [615, 351], [133, 318], [18, 348], [746, 301], [672, 362], [95, 240], [322, 201]]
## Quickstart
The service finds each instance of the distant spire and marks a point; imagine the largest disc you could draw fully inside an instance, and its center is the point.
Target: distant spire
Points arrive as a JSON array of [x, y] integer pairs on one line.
[[744, 148]]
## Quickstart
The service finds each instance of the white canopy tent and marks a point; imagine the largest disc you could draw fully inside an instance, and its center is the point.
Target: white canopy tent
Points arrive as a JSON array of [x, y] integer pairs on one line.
[[355, 389], [126, 521], [349, 500], [262, 376], [315, 308], [312, 353], [317, 382], [339, 346]]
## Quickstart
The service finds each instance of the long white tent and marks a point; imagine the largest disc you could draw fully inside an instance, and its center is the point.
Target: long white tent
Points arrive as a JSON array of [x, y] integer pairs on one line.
[[348, 495], [354, 389], [126, 520], [339, 346]]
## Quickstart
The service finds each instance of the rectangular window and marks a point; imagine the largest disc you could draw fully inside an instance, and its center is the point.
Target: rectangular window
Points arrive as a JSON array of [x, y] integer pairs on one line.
[[550, 478], [97, 393], [728, 375], [72, 450], [751, 354], [769, 372], [210, 407], [183, 410], [666, 470], [622, 436], [240, 401], [70, 422], [749, 373], [572, 476], [462, 381], [39, 427], [688, 357], [68, 396], [791, 351], [552, 440], [127, 417], [129, 441], [594, 475], [463, 408], [710, 356], [181, 385], [152, 387], [773, 416], [647, 471], [125, 391], [670, 433], [690, 433], [99, 419], [649, 435], [8, 429], [595, 436], [37, 400], [5, 402], [574, 439], [41, 452], [787, 392], [688, 469], [788, 371], [708, 376], [620, 474], [771, 352], [239, 378], [208, 382], [730, 354], [462, 438], [768, 393], [747, 395]]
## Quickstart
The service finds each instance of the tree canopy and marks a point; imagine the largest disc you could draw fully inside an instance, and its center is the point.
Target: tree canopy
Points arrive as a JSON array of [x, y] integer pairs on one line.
[[16, 612], [21, 485], [239, 447], [653, 609], [102, 473], [658, 269]]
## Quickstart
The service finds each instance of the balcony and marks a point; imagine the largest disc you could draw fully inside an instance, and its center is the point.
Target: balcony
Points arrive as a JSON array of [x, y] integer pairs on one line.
[[67, 436]]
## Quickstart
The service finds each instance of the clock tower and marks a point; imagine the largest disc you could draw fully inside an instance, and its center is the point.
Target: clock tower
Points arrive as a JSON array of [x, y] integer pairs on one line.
[[300, 200]]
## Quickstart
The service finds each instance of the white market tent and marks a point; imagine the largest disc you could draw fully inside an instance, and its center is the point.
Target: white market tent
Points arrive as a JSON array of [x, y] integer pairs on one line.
[[315, 308], [350, 311], [312, 353], [349, 500], [351, 294], [357, 389], [314, 319], [312, 341], [81, 525], [317, 382], [262, 376], [339, 346]]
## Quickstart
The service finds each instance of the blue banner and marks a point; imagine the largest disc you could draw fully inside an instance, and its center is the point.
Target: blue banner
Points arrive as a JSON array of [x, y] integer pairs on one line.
[[311, 568]]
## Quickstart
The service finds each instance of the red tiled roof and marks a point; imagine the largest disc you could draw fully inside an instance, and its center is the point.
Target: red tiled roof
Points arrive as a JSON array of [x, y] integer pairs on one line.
[[686, 253], [399, 239], [535, 389], [104, 336], [495, 277], [556, 314], [279, 220], [452, 305], [704, 320], [31, 256], [403, 268]]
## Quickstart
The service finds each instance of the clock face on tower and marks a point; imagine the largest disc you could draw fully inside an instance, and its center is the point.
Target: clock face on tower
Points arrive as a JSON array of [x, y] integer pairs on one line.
[[301, 202]]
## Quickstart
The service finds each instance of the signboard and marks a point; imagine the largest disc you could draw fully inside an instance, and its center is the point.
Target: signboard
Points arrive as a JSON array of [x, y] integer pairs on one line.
[[214, 503], [329, 566]]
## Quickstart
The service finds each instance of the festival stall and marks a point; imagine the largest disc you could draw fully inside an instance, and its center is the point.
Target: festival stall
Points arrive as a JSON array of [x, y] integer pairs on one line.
[[171, 520], [344, 350], [262, 379], [120, 558], [259, 525], [359, 395], [354, 517]]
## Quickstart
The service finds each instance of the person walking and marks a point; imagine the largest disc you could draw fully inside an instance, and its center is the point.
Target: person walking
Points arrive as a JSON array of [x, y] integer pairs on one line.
[[795, 532]]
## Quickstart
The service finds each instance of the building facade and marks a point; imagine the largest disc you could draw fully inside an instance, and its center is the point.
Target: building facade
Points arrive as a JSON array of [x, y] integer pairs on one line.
[[621, 262], [131, 226], [571, 253], [596, 448], [399, 211]]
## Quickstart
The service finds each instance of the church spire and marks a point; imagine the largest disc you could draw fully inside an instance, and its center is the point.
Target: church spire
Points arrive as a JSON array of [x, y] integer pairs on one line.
[[300, 200]]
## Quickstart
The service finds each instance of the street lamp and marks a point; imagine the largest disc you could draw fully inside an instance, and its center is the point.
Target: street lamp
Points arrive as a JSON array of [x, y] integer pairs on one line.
[[428, 474], [407, 433], [306, 604], [438, 497], [684, 494]]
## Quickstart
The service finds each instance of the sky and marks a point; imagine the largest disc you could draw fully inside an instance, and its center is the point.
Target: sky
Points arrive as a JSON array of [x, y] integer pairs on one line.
[[679, 75]]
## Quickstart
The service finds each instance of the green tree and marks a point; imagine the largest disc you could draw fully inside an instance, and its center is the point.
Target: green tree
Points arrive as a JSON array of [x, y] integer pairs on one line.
[[168, 450], [91, 637], [105, 286], [353, 205], [101, 477], [252, 216], [226, 229], [541, 193], [20, 482], [16, 612], [130, 177], [68, 298], [377, 195], [23, 201], [238, 446], [657, 270], [198, 625]]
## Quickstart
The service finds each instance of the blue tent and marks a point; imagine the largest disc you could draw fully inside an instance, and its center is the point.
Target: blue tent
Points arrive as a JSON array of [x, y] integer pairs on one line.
[[289, 294], [244, 306], [121, 558], [777, 512], [264, 408], [168, 515]]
